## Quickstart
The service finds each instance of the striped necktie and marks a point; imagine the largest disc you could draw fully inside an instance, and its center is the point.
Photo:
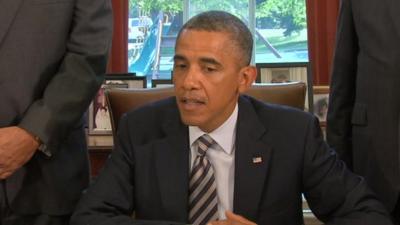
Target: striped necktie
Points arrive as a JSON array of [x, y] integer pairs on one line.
[[203, 200]]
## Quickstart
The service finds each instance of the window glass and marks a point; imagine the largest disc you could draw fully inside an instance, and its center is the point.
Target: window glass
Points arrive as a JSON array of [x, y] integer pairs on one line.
[[239, 8], [152, 30], [281, 31]]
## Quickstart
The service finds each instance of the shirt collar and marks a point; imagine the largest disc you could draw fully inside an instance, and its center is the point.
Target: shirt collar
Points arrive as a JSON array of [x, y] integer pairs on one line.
[[224, 135]]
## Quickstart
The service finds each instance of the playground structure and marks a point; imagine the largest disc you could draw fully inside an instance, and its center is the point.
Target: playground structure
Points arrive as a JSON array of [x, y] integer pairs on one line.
[[144, 56]]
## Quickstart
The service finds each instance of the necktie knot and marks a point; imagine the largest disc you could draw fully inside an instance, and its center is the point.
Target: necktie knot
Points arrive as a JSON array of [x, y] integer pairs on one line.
[[204, 142]]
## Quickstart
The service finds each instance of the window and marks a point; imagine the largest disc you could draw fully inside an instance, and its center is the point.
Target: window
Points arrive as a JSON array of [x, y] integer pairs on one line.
[[279, 28], [153, 26], [239, 8], [281, 31]]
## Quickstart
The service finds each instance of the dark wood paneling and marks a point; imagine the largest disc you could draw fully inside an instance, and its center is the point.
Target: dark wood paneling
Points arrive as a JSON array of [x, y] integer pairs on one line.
[[118, 62], [97, 159], [321, 20]]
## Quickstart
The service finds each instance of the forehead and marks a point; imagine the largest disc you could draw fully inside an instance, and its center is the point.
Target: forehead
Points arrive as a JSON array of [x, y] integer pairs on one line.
[[204, 43]]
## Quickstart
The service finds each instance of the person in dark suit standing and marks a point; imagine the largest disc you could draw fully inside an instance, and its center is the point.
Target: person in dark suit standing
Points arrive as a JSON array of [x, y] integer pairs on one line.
[[53, 56], [363, 123], [210, 155]]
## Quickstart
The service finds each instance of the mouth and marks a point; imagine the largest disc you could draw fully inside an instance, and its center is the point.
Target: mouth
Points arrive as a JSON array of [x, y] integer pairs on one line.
[[189, 103]]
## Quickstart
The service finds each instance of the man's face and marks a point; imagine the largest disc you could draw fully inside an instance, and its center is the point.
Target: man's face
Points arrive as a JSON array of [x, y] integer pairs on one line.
[[208, 77]]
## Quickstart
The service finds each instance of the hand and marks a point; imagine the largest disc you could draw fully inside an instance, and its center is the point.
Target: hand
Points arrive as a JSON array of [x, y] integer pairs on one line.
[[232, 219], [17, 147]]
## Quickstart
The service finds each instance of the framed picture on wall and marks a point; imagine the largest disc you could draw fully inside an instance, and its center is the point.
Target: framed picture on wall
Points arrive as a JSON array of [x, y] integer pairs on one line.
[[156, 83], [287, 72], [321, 100], [98, 113]]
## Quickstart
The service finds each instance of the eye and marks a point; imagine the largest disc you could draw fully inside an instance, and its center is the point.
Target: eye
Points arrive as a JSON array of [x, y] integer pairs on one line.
[[180, 66], [209, 69]]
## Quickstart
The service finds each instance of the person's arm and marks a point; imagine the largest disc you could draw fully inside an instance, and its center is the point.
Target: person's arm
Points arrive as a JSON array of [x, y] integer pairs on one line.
[[343, 85], [81, 72], [232, 219], [336, 195], [16, 147], [49, 119], [110, 199]]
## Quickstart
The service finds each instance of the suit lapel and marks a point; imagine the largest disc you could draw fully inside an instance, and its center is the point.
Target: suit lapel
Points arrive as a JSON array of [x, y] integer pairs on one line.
[[252, 158], [8, 11], [172, 161]]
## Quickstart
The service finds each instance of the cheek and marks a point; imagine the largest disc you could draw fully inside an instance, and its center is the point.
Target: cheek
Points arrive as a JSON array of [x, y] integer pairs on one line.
[[174, 78], [222, 95], [177, 81], [226, 88]]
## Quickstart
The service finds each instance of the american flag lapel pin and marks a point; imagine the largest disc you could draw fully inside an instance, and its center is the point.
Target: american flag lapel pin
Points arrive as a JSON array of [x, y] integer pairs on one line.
[[257, 159]]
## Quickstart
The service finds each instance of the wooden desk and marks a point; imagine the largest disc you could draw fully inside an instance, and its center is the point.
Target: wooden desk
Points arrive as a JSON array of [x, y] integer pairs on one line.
[[99, 149]]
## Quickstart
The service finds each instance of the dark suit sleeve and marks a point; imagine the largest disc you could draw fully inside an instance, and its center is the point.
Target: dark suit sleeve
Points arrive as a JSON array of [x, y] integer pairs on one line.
[[342, 88], [79, 76], [336, 195], [111, 199]]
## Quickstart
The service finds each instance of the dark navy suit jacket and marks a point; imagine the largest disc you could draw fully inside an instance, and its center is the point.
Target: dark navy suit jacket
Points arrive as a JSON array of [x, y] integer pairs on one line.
[[148, 171], [363, 123], [53, 56]]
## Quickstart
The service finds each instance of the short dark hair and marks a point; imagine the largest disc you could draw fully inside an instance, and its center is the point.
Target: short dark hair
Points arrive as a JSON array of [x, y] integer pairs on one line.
[[220, 21]]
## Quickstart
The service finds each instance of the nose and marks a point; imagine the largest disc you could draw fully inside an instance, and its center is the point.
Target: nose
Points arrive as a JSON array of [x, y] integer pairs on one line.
[[191, 79]]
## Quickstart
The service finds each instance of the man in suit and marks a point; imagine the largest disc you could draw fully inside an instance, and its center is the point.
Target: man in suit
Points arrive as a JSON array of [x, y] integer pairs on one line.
[[53, 55], [363, 123], [209, 155]]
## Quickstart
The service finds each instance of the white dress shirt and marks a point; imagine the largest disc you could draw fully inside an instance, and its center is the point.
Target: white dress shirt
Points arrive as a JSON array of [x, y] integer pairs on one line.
[[222, 158]]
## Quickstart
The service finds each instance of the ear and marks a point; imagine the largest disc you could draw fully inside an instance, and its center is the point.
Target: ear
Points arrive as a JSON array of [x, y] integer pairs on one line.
[[247, 76]]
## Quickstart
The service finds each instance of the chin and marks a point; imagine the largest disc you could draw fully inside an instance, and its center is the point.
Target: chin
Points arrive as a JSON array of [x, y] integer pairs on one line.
[[191, 120]]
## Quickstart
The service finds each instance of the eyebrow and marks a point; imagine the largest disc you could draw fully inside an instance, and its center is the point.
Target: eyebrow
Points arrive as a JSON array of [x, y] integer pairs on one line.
[[202, 60], [179, 57], [210, 60]]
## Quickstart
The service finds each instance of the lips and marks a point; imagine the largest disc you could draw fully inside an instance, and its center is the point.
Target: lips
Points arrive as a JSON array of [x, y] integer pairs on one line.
[[189, 103]]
